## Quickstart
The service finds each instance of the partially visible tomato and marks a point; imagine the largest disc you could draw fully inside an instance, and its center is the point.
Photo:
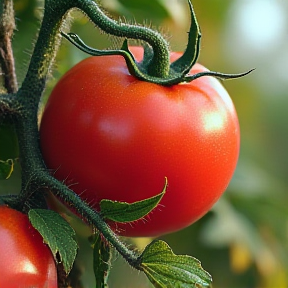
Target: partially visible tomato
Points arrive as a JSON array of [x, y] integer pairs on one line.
[[25, 261], [115, 137]]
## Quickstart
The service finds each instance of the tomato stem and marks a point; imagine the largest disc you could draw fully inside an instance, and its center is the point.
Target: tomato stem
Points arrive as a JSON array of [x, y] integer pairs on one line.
[[159, 65], [90, 216], [21, 109], [155, 66], [36, 179]]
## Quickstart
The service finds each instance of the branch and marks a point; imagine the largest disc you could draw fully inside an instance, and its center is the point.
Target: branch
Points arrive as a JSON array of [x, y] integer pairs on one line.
[[7, 27], [44, 53], [49, 39], [90, 216], [35, 176], [160, 62]]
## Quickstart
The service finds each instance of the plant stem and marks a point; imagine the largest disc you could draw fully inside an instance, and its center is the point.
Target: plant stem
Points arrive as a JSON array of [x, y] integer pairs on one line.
[[44, 53], [160, 63], [91, 216], [7, 27], [35, 176]]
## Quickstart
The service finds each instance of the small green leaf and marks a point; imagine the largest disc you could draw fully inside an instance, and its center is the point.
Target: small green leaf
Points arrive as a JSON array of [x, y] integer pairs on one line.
[[101, 262], [123, 212], [6, 168], [164, 269], [57, 233]]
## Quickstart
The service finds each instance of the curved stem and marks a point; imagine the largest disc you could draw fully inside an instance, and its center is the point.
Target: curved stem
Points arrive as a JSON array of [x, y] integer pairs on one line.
[[91, 216], [34, 173], [159, 65], [35, 177], [48, 43]]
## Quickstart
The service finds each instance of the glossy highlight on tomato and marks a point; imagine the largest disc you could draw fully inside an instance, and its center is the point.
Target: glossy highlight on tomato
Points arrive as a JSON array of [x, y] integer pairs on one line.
[[25, 261], [115, 137]]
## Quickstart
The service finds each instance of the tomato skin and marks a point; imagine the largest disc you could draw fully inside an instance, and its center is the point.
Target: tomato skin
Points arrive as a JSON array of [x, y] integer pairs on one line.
[[115, 137], [25, 260]]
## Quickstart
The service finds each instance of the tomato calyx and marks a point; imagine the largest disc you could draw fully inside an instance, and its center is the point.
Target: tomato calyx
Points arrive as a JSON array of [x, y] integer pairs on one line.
[[144, 70]]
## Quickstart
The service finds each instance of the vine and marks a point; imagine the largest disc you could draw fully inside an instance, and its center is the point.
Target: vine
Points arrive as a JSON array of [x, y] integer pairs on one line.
[[19, 107]]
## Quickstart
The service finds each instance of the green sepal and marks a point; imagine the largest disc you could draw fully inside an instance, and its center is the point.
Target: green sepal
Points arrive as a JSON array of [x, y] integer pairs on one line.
[[172, 74], [139, 70], [133, 66], [101, 261], [6, 168], [57, 234], [184, 64], [164, 269], [123, 212]]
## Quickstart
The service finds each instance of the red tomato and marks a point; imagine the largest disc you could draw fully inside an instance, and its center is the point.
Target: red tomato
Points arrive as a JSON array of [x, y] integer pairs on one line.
[[115, 137], [25, 261]]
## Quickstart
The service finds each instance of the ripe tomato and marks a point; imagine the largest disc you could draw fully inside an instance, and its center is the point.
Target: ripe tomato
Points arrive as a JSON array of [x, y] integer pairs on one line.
[[115, 137], [25, 261]]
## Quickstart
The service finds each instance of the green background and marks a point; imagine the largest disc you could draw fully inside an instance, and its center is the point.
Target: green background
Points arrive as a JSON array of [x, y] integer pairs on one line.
[[242, 242]]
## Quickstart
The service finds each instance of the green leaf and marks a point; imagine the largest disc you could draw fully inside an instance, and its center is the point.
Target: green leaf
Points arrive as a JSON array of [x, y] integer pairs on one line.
[[124, 212], [101, 262], [6, 168], [57, 233], [166, 270]]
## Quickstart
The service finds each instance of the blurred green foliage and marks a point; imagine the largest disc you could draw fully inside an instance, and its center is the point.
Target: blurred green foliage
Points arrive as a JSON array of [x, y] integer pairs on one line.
[[242, 242]]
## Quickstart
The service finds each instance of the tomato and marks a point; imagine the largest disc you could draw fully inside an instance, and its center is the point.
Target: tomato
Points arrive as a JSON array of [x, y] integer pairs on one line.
[[25, 261], [112, 136]]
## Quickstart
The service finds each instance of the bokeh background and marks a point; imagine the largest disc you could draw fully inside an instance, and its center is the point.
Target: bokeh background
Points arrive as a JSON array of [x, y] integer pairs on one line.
[[243, 241]]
